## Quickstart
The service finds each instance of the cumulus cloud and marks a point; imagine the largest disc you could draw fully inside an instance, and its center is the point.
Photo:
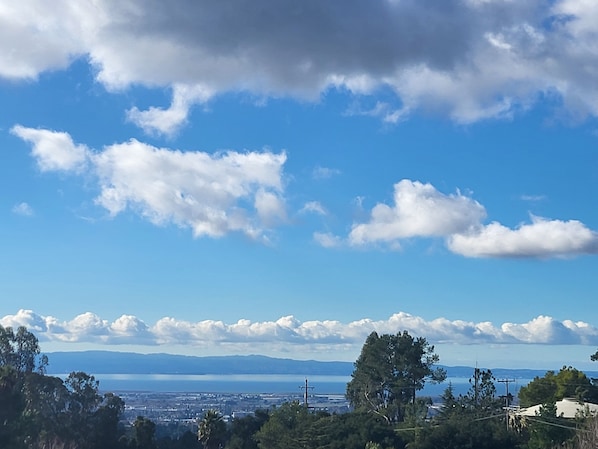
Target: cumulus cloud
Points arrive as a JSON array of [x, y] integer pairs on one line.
[[212, 194], [40, 36], [128, 329], [54, 151], [168, 121], [541, 238], [23, 209], [420, 210], [470, 60]]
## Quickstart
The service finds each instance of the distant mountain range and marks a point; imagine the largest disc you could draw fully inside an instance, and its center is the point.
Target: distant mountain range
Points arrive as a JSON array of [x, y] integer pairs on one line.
[[110, 362]]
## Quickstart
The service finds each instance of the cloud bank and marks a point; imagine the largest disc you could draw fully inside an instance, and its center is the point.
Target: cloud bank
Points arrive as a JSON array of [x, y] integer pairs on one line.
[[212, 194], [290, 332], [467, 59]]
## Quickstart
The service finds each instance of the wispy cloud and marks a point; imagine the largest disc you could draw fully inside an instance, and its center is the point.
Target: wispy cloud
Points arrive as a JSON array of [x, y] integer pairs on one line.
[[313, 207], [23, 209], [327, 240], [324, 172], [212, 194], [533, 198], [382, 110], [130, 330]]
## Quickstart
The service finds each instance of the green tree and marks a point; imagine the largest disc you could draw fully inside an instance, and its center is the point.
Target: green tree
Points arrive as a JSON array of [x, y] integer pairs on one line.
[[145, 433], [547, 430], [471, 421], [243, 429], [45, 416], [212, 430], [389, 372], [567, 383], [481, 396], [104, 423], [20, 350], [39, 411], [352, 431], [22, 422], [450, 404], [461, 431], [287, 428], [11, 407]]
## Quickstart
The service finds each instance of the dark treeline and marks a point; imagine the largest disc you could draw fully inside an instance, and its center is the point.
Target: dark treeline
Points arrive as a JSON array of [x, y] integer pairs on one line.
[[38, 411]]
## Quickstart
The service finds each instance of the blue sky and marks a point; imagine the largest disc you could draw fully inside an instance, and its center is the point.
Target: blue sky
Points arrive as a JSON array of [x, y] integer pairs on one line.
[[284, 179]]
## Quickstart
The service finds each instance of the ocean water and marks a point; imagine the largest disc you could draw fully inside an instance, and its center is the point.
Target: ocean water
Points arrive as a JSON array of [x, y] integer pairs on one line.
[[273, 383]]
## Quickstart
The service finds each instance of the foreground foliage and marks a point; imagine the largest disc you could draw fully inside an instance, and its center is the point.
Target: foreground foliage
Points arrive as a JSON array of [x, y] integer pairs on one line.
[[40, 411]]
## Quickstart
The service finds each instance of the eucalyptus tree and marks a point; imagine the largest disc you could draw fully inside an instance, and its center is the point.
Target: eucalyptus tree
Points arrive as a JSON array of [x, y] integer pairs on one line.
[[20, 350]]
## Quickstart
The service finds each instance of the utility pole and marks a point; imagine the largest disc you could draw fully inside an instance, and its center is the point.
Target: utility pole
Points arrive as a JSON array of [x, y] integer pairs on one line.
[[506, 382], [306, 388]]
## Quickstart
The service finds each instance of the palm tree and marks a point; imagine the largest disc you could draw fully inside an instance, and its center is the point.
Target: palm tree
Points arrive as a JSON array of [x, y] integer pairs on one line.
[[212, 430]]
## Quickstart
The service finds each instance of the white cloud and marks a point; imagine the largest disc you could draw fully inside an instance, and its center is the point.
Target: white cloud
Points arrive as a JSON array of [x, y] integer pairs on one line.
[[168, 331], [54, 151], [269, 206], [472, 60], [37, 36], [419, 210], [324, 172], [210, 194], [23, 209], [533, 198], [314, 207], [385, 111], [328, 240], [168, 121], [129, 325], [541, 238]]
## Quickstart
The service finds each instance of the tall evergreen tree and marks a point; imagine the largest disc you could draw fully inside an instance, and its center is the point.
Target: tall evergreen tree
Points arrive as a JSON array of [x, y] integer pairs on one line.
[[389, 372]]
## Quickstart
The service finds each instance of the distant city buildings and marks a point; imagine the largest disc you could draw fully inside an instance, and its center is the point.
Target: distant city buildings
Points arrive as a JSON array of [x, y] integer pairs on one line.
[[165, 408]]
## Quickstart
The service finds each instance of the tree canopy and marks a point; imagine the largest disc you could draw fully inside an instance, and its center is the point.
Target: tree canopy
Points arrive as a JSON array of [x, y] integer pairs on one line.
[[20, 350], [37, 410], [389, 372], [567, 383]]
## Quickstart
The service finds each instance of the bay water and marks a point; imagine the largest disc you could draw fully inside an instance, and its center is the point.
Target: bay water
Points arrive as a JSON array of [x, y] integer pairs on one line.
[[265, 383]]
